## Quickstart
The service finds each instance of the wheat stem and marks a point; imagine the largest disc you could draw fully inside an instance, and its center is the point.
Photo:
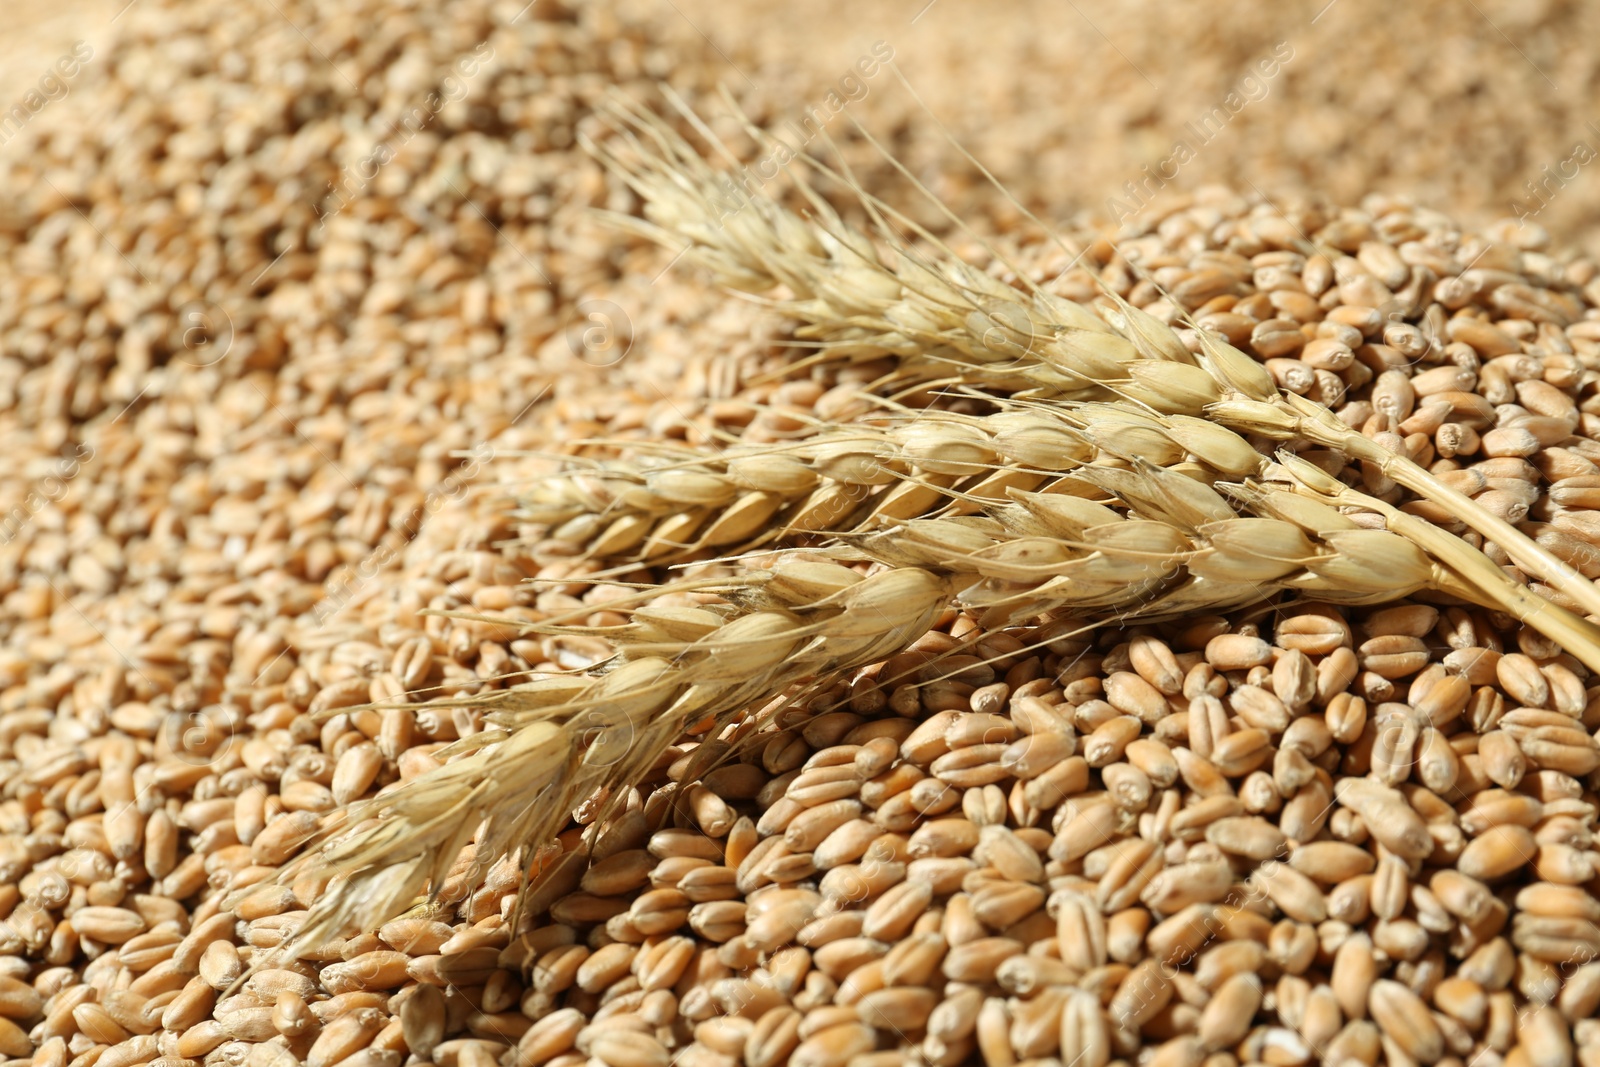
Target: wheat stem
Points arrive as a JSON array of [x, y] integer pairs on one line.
[[1319, 425], [1472, 570]]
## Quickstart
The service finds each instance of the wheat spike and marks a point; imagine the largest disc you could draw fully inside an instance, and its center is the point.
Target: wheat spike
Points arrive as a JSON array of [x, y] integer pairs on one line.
[[842, 478], [1054, 349], [556, 743], [1114, 483], [1177, 550]]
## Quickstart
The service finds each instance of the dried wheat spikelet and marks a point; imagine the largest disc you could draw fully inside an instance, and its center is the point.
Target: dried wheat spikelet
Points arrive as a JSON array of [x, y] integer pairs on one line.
[[1114, 482], [1033, 443], [967, 317], [843, 477], [1177, 548], [940, 315], [562, 739]]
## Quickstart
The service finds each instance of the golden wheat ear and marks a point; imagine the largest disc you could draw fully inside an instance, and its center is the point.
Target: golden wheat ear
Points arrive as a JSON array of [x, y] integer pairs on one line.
[[560, 742], [1147, 427], [1060, 353]]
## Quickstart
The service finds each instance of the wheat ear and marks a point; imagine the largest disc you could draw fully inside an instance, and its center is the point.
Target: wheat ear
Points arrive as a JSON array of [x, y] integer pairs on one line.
[[559, 741], [1030, 329], [841, 478]]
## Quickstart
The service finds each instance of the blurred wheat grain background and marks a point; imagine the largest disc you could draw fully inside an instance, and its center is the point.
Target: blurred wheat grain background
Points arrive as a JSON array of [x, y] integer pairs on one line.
[[1459, 104], [1477, 108]]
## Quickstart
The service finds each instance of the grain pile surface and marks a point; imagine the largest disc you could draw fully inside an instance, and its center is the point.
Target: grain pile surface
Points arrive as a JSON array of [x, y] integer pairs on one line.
[[1480, 107], [258, 377]]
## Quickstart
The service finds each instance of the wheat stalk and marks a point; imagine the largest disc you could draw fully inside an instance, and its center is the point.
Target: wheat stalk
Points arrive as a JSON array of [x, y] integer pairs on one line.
[[944, 314], [1079, 439], [1142, 476], [964, 316], [841, 478], [558, 741], [1177, 547]]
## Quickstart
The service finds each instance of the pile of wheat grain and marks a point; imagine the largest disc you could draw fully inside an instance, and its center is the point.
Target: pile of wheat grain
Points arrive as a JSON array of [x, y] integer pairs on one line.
[[1178, 846], [1002, 844], [1142, 782]]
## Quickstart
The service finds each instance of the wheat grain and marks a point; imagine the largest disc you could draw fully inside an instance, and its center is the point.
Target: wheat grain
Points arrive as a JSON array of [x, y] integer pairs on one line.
[[98, 787]]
